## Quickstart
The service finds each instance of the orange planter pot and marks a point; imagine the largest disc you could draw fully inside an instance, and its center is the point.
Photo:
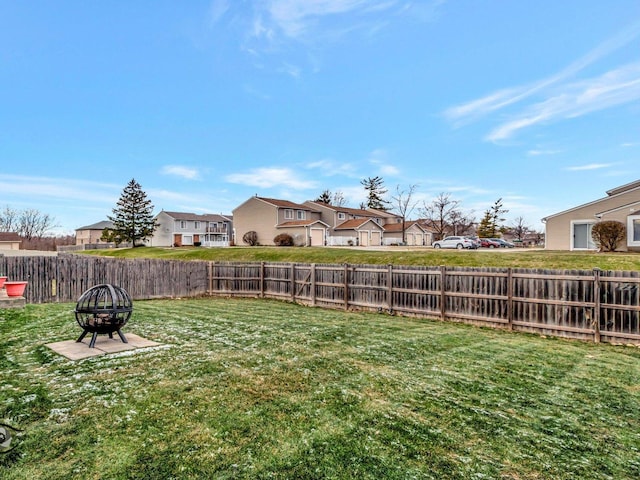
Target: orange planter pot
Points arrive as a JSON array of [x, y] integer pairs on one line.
[[2, 280], [15, 289]]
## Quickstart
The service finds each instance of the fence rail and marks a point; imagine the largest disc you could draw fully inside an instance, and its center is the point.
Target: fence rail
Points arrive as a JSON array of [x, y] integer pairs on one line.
[[586, 304]]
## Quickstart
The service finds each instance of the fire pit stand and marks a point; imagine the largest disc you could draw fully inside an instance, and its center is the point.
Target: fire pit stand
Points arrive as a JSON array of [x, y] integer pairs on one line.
[[103, 309]]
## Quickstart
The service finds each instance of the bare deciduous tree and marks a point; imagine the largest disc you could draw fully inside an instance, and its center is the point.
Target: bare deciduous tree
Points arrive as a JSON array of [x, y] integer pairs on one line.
[[403, 205], [444, 215], [34, 224], [9, 219], [519, 228]]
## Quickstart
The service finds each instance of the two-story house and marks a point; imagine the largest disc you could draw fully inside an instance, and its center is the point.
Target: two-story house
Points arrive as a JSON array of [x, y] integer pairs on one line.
[[182, 229], [269, 217]]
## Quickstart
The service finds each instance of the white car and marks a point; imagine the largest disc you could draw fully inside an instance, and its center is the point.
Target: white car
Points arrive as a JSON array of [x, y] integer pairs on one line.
[[454, 242]]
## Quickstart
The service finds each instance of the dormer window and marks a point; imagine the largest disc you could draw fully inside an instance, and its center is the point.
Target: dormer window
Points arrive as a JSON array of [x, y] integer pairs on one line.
[[342, 215]]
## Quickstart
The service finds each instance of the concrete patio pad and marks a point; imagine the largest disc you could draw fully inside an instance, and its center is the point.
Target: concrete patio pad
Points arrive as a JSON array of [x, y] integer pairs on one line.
[[78, 350]]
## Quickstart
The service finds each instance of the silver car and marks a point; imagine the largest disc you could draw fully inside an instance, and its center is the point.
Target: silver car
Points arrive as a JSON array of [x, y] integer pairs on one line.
[[454, 242]]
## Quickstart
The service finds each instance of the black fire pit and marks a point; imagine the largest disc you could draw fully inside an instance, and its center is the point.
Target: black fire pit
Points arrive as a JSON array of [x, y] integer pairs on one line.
[[103, 309]]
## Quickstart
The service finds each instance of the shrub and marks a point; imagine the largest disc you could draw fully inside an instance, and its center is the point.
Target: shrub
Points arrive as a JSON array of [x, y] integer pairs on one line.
[[197, 244], [283, 240], [250, 238], [608, 234]]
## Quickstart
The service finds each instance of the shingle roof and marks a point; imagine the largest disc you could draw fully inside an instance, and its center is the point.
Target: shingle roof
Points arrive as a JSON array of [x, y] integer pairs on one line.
[[97, 226], [286, 204], [354, 224], [397, 227], [205, 217], [10, 237]]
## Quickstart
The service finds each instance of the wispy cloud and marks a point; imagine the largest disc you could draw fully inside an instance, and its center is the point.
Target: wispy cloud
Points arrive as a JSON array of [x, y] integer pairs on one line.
[[22, 186], [590, 166], [181, 171], [330, 168], [271, 177], [557, 97], [540, 152]]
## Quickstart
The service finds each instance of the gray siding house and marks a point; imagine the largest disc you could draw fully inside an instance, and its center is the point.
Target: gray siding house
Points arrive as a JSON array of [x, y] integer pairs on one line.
[[177, 229]]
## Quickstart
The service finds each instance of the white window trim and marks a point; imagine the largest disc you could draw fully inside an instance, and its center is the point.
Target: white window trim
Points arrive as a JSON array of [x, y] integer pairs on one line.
[[300, 215], [288, 214], [183, 225], [589, 240], [196, 225], [342, 215], [630, 241]]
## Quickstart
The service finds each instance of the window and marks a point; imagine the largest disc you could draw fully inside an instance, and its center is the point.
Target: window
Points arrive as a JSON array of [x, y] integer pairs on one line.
[[633, 230], [300, 214], [581, 235], [196, 225], [288, 214], [183, 224], [342, 215]]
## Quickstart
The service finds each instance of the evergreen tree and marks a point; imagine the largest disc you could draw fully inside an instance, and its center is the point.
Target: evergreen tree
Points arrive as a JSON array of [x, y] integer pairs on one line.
[[375, 196], [490, 225], [133, 217], [325, 197]]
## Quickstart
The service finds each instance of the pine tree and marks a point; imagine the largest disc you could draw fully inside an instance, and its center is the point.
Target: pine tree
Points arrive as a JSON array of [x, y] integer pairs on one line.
[[376, 191], [133, 217], [324, 197]]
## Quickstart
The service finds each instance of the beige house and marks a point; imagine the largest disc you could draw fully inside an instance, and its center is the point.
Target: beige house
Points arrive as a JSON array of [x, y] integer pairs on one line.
[[571, 229], [90, 234], [186, 229], [352, 226], [269, 217], [414, 234], [10, 241]]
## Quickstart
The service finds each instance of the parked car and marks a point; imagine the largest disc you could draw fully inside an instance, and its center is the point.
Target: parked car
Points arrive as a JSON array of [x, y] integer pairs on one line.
[[489, 243], [475, 240], [455, 242], [503, 243]]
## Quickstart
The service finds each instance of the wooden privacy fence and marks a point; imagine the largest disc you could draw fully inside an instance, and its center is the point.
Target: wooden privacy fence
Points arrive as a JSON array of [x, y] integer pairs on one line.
[[64, 278], [591, 305], [587, 304]]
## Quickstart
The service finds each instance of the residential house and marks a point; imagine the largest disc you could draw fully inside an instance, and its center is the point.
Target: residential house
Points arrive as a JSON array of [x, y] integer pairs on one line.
[[181, 229], [269, 217], [414, 234], [351, 226], [91, 234], [571, 229], [10, 241]]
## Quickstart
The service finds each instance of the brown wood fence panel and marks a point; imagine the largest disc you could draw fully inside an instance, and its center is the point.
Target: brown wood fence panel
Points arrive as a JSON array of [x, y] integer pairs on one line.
[[586, 304], [64, 278], [583, 304]]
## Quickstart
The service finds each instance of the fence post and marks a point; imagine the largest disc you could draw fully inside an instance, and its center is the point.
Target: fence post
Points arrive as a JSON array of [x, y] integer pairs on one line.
[[390, 288], [346, 286], [313, 284], [596, 305], [293, 282], [510, 298], [210, 273], [261, 279], [443, 308]]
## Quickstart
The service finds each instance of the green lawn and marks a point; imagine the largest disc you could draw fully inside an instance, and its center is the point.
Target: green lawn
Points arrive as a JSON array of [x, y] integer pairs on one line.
[[516, 258], [264, 389]]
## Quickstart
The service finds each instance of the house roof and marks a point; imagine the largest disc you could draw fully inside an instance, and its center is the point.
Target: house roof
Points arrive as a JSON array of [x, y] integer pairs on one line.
[[611, 193], [97, 226], [353, 211], [205, 217], [397, 227], [10, 237], [285, 204], [355, 224], [300, 223]]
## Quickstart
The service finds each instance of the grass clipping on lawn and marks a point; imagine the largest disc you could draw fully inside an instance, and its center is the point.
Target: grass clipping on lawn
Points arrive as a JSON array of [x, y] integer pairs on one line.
[[265, 389]]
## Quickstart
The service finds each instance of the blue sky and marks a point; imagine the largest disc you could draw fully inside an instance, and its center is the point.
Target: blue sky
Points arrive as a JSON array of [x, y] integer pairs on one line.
[[206, 103]]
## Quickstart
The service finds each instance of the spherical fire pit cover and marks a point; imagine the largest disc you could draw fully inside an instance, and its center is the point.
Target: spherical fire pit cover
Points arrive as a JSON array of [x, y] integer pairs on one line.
[[103, 309]]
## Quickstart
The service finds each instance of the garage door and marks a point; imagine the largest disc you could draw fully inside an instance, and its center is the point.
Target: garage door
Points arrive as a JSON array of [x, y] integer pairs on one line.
[[376, 238], [418, 239], [317, 237], [411, 239], [364, 239]]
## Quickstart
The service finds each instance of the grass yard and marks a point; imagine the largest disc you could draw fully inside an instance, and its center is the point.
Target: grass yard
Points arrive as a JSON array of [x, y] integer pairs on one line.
[[516, 258], [262, 389]]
